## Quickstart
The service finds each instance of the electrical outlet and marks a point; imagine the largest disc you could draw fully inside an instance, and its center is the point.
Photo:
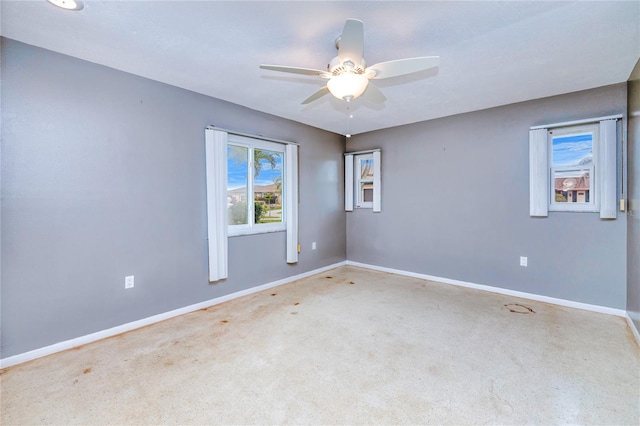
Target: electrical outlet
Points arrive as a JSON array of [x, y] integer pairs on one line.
[[523, 261], [313, 245], [128, 281]]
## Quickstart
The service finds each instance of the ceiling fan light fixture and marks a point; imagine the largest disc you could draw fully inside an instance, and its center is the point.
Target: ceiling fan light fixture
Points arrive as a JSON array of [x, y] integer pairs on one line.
[[67, 4], [348, 86], [348, 74]]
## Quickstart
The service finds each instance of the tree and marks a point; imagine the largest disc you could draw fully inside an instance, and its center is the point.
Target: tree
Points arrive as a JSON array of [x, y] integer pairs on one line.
[[259, 156], [239, 155], [278, 183], [270, 198]]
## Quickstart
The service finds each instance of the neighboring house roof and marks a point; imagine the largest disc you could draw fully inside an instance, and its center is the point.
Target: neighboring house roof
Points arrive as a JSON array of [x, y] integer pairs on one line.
[[265, 188], [237, 191], [580, 183], [256, 188]]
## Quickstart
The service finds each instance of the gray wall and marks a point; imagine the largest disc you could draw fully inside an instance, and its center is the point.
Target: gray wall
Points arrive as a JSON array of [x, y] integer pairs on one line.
[[633, 226], [103, 176], [455, 204]]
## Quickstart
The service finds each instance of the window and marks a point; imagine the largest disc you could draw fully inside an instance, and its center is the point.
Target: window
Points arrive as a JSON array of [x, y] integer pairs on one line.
[[362, 180], [255, 186], [244, 172], [573, 167], [572, 159]]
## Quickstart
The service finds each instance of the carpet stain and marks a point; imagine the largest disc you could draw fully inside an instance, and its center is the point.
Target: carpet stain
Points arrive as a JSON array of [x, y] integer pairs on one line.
[[87, 370], [329, 276], [296, 304], [517, 308], [224, 321], [351, 282], [273, 294]]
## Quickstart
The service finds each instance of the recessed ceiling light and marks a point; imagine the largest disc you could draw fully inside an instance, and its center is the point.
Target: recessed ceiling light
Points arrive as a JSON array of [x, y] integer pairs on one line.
[[67, 4]]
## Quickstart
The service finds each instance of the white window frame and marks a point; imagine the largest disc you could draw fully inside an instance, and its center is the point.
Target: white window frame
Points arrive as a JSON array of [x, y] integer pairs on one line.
[[352, 181], [252, 228], [594, 186]]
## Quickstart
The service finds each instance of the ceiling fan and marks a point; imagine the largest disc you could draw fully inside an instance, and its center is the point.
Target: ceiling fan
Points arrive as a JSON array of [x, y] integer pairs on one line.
[[347, 74]]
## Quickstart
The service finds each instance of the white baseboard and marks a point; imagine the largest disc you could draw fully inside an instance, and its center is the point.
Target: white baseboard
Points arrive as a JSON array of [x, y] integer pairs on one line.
[[633, 328], [89, 338], [523, 295]]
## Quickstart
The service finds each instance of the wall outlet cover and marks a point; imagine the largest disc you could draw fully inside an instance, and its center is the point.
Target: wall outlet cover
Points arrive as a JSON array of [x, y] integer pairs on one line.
[[129, 281]]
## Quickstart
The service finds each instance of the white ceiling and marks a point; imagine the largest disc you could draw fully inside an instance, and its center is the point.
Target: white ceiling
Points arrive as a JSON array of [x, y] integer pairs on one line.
[[492, 53]]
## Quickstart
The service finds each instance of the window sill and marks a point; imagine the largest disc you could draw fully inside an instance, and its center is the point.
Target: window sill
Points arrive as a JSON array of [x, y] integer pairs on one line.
[[252, 231], [575, 210]]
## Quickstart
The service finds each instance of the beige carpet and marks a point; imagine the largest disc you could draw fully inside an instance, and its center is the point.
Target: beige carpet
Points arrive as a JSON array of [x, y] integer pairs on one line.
[[349, 346]]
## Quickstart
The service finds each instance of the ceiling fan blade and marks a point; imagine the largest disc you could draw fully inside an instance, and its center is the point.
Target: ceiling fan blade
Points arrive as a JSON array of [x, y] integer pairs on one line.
[[316, 95], [351, 46], [373, 94], [296, 70], [403, 66]]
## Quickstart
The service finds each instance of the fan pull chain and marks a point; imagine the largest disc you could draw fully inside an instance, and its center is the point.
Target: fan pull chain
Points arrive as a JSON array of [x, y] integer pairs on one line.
[[349, 117]]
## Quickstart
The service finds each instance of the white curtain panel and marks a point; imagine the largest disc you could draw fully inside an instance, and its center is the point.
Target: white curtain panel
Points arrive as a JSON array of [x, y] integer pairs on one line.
[[608, 162], [216, 171], [377, 201], [538, 173], [291, 203], [348, 183]]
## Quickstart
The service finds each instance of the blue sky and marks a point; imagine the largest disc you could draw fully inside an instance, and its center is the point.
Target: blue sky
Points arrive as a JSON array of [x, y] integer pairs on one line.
[[570, 150], [237, 172]]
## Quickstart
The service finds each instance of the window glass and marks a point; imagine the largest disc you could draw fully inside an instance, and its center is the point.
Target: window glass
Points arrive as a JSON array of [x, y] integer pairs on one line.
[[267, 186], [366, 167], [255, 186], [364, 183], [573, 150], [367, 192], [237, 173], [572, 186], [572, 166]]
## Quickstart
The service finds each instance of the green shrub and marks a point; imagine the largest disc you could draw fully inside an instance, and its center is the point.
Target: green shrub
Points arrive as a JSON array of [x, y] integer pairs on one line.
[[560, 198], [258, 209]]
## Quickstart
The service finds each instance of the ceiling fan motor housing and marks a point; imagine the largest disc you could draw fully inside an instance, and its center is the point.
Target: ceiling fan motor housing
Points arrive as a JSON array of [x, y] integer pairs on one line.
[[336, 67]]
